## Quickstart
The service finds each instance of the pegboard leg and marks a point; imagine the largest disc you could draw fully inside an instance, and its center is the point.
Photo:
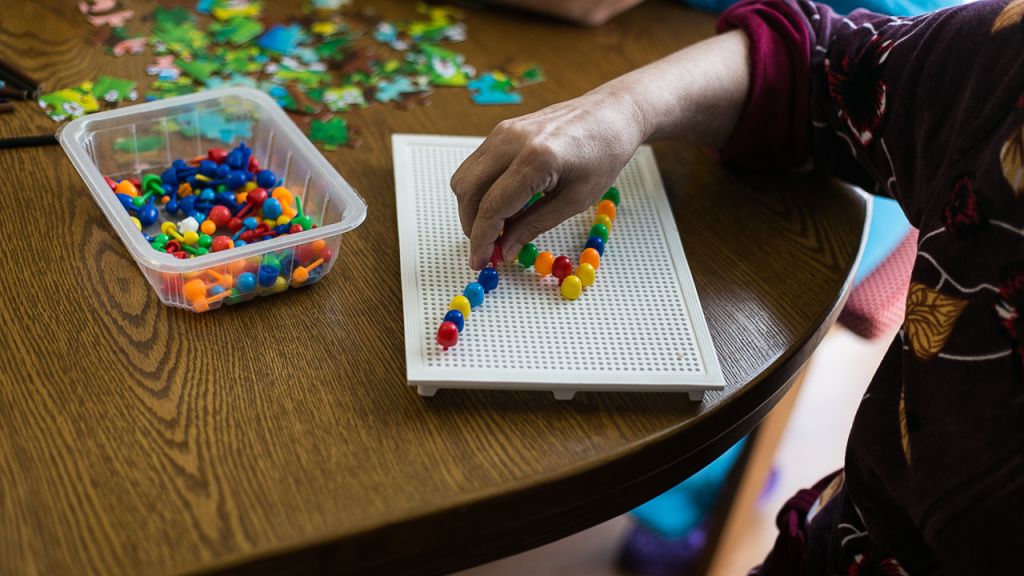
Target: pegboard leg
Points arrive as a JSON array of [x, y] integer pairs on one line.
[[564, 394], [426, 391], [697, 396]]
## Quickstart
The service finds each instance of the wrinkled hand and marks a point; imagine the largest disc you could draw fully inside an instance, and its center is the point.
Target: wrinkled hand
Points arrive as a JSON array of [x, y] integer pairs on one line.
[[571, 151]]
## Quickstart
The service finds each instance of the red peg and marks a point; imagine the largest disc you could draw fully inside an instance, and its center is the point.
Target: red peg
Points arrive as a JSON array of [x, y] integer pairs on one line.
[[263, 231], [218, 155], [254, 164], [234, 225], [221, 216], [254, 199], [561, 268], [295, 229], [326, 255], [448, 335], [222, 243], [110, 182], [496, 256]]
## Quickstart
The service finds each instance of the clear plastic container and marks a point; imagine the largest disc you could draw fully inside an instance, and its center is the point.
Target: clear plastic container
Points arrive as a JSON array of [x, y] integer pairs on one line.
[[145, 138]]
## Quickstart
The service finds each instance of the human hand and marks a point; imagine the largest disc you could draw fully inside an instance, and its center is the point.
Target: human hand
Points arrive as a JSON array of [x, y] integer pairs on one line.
[[571, 151]]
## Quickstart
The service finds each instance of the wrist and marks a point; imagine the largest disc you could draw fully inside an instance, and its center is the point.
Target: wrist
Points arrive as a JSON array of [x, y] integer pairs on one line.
[[634, 122]]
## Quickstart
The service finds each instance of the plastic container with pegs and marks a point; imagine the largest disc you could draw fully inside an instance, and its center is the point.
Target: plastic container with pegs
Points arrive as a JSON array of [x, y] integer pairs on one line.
[[146, 138]]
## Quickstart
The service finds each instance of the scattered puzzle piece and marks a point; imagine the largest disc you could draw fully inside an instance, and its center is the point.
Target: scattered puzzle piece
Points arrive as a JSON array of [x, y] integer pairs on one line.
[[394, 90], [245, 60], [179, 38], [342, 98], [129, 46], [215, 125], [233, 80], [331, 133], [115, 90], [296, 72], [200, 69], [69, 103], [164, 68], [324, 62], [493, 88], [314, 5], [445, 67], [226, 9], [97, 6], [237, 30], [160, 88], [105, 13], [281, 39], [523, 73]]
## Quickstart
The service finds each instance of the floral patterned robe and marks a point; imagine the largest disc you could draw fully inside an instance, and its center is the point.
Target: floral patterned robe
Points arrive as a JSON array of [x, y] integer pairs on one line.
[[928, 110]]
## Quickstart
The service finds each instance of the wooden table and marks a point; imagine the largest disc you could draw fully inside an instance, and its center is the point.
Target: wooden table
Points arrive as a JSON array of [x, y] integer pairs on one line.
[[280, 434]]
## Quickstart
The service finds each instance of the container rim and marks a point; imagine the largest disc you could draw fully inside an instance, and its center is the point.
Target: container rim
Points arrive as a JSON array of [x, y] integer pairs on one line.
[[71, 137]]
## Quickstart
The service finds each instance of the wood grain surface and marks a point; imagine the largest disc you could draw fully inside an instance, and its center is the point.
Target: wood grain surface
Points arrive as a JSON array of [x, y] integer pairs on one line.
[[279, 435]]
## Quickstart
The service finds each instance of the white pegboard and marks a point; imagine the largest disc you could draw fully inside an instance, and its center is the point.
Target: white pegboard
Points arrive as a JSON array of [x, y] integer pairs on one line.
[[638, 328]]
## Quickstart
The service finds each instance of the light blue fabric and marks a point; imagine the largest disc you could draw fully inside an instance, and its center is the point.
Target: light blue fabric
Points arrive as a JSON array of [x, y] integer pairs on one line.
[[887, 229], [894, 7], [679, 510]]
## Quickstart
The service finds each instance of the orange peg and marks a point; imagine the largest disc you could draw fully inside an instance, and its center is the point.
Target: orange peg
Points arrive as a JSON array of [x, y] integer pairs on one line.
[[301, 273], [606, 208], [590, 256]]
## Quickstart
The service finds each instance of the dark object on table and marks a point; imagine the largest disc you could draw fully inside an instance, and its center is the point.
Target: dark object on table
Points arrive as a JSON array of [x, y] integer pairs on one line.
[[15, 77], [26, 141], [16, 93]]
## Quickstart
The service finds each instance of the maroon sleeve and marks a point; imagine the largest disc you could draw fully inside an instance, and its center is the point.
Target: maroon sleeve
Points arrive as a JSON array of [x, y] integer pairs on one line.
[[774, 128]]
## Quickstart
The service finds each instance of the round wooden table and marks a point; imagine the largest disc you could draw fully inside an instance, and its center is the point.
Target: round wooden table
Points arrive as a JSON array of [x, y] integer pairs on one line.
[[280, 434]]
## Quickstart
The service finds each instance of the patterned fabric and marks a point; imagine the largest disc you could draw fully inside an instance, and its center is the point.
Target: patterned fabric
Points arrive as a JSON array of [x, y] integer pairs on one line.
[[894, 7], [877, 304], [928, 110]]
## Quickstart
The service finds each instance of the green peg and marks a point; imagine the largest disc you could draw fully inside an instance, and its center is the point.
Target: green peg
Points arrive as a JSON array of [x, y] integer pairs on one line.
[[528, 255], [612, 194], [151, 184], [601, 231], [302, 220]]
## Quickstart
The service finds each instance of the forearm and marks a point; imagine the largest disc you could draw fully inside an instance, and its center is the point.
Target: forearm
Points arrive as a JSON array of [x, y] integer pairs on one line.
[[574, 150], [696, 94]]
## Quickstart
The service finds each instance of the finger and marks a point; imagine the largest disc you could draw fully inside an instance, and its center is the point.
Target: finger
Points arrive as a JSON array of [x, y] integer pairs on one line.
[[546, 213], [476, 175], [503, 200]]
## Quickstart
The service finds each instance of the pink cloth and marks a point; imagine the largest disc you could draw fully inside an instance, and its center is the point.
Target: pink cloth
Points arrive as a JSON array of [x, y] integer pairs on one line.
[[877, 305]]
